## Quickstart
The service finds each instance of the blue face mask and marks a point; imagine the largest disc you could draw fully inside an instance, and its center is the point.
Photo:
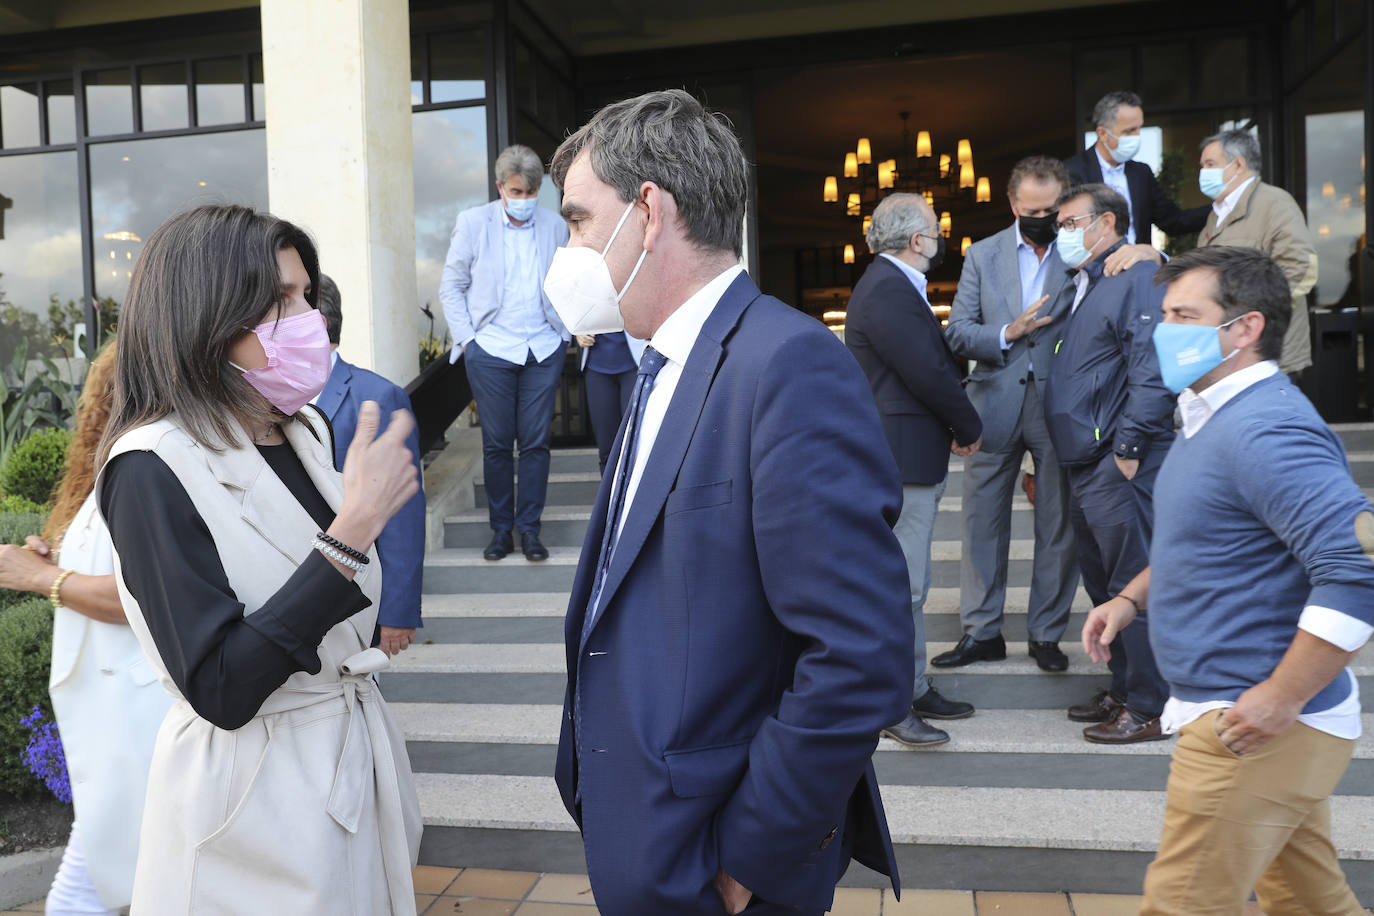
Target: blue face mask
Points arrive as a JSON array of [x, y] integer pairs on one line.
[[1211, 182], [1187, 352], [521, 208], [1071, 249], [1126, 147]]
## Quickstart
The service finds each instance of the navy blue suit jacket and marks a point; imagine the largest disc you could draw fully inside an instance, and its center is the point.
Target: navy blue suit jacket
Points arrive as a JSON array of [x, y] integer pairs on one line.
[[1149, 203], [898, 342], [401, 546], [754, 635]]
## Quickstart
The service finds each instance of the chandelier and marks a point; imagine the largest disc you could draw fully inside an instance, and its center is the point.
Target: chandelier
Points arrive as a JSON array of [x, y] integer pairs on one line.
[[947, 182]]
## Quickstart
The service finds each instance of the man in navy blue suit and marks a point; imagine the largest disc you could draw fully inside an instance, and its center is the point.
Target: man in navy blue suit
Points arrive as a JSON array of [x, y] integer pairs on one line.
[[401, 547], [739, 629], [898, 343]]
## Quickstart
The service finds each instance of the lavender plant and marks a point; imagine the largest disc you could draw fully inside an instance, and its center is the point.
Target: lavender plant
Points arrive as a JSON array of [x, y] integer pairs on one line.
[[44, 757]]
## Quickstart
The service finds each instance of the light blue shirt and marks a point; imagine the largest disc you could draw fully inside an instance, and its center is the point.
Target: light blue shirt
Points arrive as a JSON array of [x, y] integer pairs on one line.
[[520, 327], [1114, 177], [1032, 269], [917, 278]]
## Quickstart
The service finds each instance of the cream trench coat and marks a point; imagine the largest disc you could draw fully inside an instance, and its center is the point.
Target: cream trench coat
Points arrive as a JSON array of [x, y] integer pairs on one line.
[[310, 808]]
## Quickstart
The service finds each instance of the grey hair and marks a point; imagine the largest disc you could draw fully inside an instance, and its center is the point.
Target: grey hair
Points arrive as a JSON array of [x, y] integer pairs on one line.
[[1236, 143], [523, 161], [1104, 112], [895, 221], [671, 139]]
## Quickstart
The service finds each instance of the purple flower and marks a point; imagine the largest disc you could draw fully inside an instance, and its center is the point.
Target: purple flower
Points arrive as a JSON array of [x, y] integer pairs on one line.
[[44, 757]]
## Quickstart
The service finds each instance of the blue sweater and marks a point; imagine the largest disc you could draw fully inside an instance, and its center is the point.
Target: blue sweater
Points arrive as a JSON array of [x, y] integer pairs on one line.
[[1254, 520]]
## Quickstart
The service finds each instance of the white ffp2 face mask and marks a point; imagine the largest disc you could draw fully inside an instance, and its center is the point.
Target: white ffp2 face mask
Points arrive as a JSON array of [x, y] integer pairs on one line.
[[580, 287]]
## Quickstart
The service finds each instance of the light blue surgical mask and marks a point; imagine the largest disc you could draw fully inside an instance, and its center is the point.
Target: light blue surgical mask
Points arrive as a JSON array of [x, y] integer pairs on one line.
[[1212, 182], [1071, 248], [1187, 352], [1126, 147], [521, 208]]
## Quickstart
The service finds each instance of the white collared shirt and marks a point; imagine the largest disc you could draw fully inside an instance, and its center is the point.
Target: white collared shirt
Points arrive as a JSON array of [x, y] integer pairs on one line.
[[1223, 207], [1114, 177], [674, 339], [1080, 284], [1333, 626]]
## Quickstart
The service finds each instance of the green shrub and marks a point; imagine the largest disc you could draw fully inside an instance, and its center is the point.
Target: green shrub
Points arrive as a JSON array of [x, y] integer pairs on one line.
[[33, 466], [14, 527], [11, 504], [25, 656]]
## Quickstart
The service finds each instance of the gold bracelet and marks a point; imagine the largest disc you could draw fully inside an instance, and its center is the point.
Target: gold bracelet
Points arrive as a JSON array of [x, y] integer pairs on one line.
[[55, 593]]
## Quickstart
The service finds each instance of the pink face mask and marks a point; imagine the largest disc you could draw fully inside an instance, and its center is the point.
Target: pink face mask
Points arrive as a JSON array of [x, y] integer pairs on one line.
[[297, 367]]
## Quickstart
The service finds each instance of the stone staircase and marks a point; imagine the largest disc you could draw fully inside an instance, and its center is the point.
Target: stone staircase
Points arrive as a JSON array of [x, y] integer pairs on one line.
[[1016, 801]]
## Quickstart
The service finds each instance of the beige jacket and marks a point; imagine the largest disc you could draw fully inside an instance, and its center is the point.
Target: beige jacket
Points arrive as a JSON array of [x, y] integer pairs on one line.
[[1268, 218], [310, 808]]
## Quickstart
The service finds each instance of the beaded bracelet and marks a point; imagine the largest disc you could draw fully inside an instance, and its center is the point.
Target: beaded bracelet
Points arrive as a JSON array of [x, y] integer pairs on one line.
[[341, 546], [55, 593], [341, 558]]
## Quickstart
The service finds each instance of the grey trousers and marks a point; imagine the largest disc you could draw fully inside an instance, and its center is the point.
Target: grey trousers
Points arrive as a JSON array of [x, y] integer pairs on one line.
[[915, 529], [990, 480]]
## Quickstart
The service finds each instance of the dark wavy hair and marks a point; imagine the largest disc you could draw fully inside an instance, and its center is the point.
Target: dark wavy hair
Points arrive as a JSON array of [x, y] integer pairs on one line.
[[203, 278]]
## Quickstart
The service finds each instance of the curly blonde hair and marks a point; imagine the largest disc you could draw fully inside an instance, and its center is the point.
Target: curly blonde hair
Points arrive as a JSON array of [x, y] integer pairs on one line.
[[92, 415]]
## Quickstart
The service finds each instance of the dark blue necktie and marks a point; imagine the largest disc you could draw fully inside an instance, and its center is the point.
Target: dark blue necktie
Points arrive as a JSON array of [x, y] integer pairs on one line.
[[649, 365]]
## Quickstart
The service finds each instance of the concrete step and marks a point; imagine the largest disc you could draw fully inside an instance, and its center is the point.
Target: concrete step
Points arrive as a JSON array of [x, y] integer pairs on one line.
[[993, 838]]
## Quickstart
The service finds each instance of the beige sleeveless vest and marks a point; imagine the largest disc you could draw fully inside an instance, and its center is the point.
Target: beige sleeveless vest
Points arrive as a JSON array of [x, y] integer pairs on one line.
[[310, 808]]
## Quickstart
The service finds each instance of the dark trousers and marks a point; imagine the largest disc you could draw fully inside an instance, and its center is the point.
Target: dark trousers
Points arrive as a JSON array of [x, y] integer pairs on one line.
[[608, 397], [1112, 520], [515, 403]]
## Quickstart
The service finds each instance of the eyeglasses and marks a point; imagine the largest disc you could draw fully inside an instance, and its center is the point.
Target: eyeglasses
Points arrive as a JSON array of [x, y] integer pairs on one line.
[[1073, 222]]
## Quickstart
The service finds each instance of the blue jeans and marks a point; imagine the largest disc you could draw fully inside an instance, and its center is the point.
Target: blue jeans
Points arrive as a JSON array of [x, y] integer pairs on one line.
[[515, 403], [915, 529]]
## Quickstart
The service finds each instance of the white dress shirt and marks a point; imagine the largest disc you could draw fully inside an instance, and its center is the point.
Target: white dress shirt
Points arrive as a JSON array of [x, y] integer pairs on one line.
[[1032, 269], [674, 339], [917, 278], [1114, 177], [1222, 208], [520, 327], [1333, 626]]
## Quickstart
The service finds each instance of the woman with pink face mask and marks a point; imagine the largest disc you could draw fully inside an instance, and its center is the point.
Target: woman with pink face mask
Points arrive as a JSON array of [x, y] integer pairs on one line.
[[246, 568]]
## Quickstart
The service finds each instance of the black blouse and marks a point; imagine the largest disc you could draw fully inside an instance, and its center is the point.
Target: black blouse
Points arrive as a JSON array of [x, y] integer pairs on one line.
[[224, 664]]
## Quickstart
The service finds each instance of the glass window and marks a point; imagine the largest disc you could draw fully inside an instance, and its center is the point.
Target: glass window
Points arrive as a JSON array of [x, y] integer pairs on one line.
[[61, 111], [1167, 76], [259, 92], [41, 243], [109, 102], [417, 69], [1296, 30], [137, 184], [1225, 67], [19, 116], [457, 66], [1103, 70], [162, 96], [526, 96], [219, 91], [1323, 26], [452, 173], [1351, 14]]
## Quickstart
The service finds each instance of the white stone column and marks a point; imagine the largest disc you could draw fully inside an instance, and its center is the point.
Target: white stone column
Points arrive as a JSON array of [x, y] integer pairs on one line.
[[339, 162]]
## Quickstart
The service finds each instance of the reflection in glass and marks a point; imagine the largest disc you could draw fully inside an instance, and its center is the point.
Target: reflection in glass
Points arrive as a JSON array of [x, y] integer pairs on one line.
[[136, 185], [1225, 66], [19, 116], [259, 96], [41, 248], [451, 174], [1100, 71], [162, 96], [109, 102], [1167, 79], [457, 66], [61, 111], [219, 91], [1335, 196]]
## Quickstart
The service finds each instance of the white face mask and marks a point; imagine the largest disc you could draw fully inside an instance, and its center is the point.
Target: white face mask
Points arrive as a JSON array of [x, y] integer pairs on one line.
[[580, 287]]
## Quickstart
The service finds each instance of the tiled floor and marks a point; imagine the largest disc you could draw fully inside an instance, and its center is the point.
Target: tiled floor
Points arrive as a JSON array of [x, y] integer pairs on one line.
[[485, 892]]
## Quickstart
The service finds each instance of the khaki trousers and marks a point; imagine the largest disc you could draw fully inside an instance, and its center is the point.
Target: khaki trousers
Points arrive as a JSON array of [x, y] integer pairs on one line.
[[1261, 822]]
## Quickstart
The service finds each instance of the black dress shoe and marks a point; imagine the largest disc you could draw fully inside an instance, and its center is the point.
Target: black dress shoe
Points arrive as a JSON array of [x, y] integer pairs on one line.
[[1101, 708], [534, 550], [1048, 656], [933, 706], [501, 544], [1126, 728], [970, 650], [914, 732]]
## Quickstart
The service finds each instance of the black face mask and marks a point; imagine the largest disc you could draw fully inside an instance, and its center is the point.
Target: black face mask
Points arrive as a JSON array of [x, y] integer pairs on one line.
[[1040, 230], [939, 256]]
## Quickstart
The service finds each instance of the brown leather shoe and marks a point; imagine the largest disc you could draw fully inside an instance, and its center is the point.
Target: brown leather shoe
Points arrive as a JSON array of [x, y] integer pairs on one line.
[[1126, 728], [1101, 708]]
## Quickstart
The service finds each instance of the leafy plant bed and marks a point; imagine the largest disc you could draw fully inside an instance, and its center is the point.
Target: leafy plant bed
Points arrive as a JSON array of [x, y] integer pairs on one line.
[[32, 823]]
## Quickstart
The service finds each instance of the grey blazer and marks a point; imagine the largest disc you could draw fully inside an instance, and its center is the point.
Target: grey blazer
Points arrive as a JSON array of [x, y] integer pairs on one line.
[[988, 297], [474, 271]]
